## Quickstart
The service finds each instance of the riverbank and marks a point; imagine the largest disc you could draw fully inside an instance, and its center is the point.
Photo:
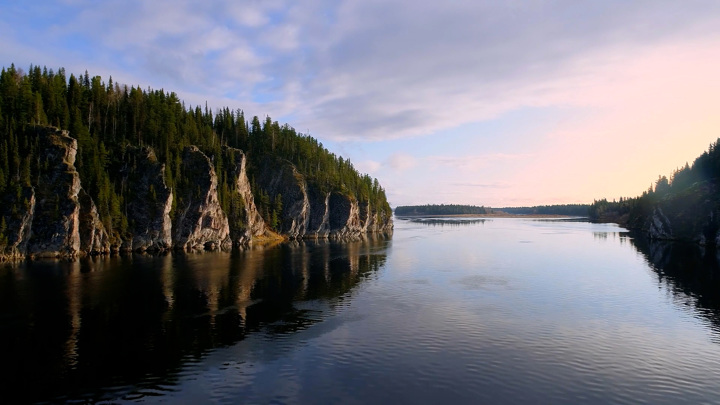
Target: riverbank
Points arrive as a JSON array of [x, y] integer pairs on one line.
[[491, 215]]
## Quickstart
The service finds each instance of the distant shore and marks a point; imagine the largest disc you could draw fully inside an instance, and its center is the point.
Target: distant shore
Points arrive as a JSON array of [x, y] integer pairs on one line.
[[491, 215]]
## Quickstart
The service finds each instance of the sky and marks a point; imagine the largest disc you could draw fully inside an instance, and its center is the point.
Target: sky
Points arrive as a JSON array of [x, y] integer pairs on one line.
[[494, 103]]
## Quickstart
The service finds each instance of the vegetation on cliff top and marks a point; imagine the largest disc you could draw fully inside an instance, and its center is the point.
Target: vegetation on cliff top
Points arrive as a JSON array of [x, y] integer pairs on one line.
[[106, 117], [692, 186]]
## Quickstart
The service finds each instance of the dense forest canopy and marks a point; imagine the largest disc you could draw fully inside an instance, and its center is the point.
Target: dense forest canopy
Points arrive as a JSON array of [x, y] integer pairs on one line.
[[107, 117], [442, 209], [684, 181]]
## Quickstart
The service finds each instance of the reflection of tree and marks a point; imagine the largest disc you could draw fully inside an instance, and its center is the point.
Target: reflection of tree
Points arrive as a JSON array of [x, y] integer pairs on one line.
[[454, 223], [601, 235], [691, 273], [77, 329]]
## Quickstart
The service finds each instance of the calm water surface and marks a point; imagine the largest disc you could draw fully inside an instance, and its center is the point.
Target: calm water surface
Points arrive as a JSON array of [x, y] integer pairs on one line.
[[494, 311]]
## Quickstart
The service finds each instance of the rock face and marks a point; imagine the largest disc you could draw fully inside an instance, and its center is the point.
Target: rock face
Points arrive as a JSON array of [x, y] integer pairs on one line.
[[692, 216], [658, 225], [375, 222], [93, 237], [150, 203], [279, 176], [344, 216], [319, 223], [18, 211], [310, 213], [200, 222], [350, 219], [56, 218], [244, 219]]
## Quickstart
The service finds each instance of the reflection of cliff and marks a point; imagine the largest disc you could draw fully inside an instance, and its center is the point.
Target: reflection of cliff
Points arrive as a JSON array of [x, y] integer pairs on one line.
[[79, 328], [691, 272]]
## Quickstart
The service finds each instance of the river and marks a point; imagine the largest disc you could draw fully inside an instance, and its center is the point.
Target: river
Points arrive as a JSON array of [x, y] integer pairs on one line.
[[457, 311]]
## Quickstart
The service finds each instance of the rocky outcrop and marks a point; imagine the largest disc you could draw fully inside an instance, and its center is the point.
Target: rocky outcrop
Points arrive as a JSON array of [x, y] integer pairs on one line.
[[658, 225], [280, 177], [17, 213], [319, 222], [693, 216], [375, 221], [150, 201], [244, 218], [344, 216], [200, 221], [93, 237], [350, 218], [310, 213], [56, 218]]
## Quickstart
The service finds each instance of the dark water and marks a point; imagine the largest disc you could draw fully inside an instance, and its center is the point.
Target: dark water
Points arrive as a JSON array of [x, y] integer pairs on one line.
[[494, 311]]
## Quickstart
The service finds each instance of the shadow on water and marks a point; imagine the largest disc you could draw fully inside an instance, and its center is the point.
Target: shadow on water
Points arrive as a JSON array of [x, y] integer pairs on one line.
[[691, 273], [103, 328]]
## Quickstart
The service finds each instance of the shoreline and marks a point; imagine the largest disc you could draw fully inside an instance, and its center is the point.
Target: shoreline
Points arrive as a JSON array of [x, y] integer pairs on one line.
[[493, 215]]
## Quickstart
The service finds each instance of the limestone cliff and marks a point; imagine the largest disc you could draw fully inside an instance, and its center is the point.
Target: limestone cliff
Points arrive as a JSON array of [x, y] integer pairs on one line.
[[344, 216], [319, 222], [150, 201], [93, 237], [280, 177], [56, 218], [17, 213], [244, 219], [200, 222], [350, 218], [309, 212], [374, 221]]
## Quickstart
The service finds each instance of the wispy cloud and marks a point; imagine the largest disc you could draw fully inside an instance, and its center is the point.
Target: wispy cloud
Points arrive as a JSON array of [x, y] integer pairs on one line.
[[368, 166], [477, 161], [401, 161], [373, 69], [481, 185]]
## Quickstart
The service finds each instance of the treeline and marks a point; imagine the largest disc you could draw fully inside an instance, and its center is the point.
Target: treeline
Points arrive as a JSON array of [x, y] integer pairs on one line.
[[107, 117], [684, 182], [442, 209], [573, 210]]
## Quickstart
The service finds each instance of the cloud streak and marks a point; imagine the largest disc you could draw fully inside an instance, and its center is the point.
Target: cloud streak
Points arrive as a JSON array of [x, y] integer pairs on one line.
[[371, 69]]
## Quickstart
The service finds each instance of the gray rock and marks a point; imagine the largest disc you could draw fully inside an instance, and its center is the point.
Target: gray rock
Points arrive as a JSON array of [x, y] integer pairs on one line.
[[278, 176], [247, 223], [319, 223], [310, 213], [56, 220], [659, 226], [93, 237], [200, 222], [150, 203], [18, 213]]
